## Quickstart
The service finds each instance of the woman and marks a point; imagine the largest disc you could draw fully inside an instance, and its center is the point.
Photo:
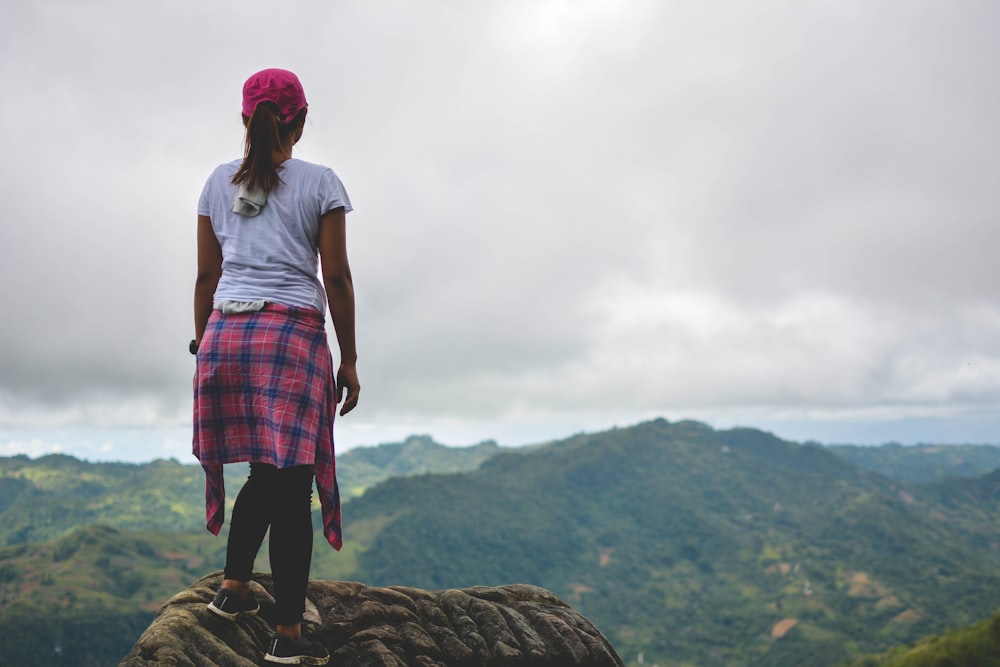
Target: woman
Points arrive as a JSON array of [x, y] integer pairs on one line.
[[265, 390]]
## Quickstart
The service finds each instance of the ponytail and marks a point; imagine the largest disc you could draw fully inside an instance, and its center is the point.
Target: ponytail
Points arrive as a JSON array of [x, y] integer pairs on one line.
[[265, 136]]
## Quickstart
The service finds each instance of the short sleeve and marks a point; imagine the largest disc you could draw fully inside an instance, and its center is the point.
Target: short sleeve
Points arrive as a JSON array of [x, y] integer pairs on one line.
[[203, 204], [333, 194]]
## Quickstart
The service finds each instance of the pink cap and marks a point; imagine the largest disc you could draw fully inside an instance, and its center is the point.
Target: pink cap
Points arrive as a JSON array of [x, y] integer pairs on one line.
[[274, 85]]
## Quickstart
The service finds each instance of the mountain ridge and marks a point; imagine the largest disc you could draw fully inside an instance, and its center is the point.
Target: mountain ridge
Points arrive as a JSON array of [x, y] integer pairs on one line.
[[698, 546], [759, 532], [47, 497]]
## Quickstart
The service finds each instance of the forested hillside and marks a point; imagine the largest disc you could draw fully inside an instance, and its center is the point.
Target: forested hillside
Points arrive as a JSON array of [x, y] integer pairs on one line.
[[46, 498], [362, 467], [90, 551], [976, 645], [688, 545], [923, 463], [695, 546]]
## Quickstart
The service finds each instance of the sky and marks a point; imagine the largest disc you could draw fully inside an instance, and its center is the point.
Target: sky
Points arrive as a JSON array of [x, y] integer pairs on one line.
[[569, 215]]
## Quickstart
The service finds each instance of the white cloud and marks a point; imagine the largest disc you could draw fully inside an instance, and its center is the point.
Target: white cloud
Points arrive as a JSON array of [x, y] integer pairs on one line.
[[567, 212]]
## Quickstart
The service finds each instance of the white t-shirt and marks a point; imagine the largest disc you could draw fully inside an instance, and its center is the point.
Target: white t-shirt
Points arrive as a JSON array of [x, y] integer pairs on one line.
[[273, 256]]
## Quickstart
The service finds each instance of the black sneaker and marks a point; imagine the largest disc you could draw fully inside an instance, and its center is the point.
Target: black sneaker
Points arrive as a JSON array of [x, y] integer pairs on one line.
[[229, 604], [288, 651]]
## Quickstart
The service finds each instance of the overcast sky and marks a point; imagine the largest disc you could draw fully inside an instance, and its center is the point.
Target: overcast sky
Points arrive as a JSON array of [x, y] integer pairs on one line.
[[569, 215]]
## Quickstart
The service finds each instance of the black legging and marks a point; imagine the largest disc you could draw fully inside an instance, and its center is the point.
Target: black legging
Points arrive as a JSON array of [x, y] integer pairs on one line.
[[281, 499]]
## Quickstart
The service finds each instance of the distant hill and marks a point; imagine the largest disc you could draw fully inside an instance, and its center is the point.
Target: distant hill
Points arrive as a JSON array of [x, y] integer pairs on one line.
[[362, 467], [688, 545], [695, 546], [976, 645], [48, 497], [94, 549], [923, 463], [84, 598]]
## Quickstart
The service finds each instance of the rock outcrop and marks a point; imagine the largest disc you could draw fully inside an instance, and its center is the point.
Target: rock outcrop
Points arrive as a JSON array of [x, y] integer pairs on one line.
[[393, 626]]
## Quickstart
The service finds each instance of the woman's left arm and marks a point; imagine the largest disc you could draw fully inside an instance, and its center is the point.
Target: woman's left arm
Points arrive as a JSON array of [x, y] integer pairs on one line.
[[209, 272], [340, 298]]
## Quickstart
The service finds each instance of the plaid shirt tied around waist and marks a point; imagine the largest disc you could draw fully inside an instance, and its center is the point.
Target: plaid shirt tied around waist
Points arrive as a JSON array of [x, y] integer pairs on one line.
[[265, 392]]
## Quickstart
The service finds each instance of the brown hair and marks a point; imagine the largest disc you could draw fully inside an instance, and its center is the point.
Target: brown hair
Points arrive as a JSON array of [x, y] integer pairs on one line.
[[265, 136]]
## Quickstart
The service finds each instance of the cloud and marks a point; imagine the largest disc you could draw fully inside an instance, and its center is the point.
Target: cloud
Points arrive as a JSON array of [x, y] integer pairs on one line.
[[566, 212]]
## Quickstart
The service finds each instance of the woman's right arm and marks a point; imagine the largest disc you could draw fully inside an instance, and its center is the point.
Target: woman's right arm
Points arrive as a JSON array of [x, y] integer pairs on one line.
[[340, 297], [209, 272]]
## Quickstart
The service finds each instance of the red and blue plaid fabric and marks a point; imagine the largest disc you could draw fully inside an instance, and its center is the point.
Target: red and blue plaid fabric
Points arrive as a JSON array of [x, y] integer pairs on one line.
[[265, 392]]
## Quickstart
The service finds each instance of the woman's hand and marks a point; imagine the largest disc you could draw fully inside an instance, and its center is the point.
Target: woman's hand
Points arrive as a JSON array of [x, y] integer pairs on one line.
[[340, 297], [347, 379]]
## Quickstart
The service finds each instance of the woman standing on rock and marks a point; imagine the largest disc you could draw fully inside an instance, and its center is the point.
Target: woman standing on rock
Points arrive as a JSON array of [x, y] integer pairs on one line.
[[265, 389]]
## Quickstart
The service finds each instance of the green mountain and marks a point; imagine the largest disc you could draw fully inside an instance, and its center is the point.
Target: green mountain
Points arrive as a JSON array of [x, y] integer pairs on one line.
[[923, 463], [692, 546], [977, 645], [72, 595], [85, 598], [687, 545], [46, 498], [362, 467]]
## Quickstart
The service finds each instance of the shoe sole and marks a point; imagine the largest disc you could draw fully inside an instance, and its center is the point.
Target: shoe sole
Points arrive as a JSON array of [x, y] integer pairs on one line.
[[297, 660], [232, 617]]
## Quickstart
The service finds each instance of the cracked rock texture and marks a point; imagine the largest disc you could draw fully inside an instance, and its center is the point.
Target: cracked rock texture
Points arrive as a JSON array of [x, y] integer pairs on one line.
[[393, 626]]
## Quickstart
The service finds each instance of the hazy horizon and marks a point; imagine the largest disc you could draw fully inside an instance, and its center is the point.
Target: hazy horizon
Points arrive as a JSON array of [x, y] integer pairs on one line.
[[144, 444]]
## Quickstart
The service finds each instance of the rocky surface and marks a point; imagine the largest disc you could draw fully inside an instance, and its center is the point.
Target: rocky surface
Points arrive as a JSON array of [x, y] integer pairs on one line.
[[382, 627]]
